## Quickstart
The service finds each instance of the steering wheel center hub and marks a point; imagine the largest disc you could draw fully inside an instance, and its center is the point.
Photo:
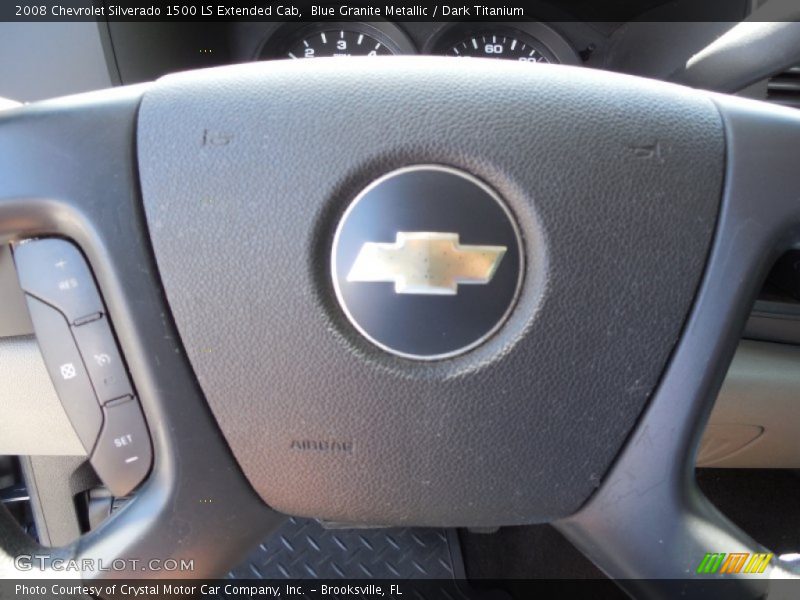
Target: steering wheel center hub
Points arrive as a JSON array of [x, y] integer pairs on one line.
[[325, 424], [427, 262]]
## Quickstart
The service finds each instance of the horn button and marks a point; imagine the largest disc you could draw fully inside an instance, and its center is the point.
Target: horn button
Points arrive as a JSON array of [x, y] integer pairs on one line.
[[427, 262], [519, 227]]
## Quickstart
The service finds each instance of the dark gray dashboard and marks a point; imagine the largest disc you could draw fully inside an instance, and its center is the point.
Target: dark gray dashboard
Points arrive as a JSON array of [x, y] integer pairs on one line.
[[650, 38], [652, 48]]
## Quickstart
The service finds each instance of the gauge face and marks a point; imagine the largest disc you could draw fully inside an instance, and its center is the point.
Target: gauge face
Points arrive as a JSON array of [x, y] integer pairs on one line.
[[337, 42], [488, 45]]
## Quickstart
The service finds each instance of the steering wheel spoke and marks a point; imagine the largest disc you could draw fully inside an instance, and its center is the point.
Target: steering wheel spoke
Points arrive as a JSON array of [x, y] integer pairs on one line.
[[69, 170], [649, 521]]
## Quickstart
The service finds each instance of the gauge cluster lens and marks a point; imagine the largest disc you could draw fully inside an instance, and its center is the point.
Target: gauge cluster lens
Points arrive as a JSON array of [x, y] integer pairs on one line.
[[488, 45], [524, 42], [337, 42]]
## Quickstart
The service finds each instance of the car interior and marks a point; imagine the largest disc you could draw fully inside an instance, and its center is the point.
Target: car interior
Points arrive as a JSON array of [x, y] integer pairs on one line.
[[491, 302]]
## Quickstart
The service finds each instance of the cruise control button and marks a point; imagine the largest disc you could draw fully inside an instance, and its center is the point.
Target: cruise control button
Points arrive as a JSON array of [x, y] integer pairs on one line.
[[67, 371], [54, 270], [122, 456], [99, 350]]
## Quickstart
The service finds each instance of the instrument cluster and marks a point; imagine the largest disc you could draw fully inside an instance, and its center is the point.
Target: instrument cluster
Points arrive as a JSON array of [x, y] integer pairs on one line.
[[521, 41]]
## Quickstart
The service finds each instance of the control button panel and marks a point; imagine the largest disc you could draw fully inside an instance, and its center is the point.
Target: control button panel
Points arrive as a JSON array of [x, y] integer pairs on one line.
[[103, 361], [67, 371], [122, 455], [53, 270], [83, 360]]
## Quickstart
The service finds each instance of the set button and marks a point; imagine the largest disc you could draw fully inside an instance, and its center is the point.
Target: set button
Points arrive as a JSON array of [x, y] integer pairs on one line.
[[123, 454]]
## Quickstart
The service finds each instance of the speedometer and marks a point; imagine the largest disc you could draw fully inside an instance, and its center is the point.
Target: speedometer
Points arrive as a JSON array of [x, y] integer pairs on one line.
[[337, 42], [492, 45], [520, 41]]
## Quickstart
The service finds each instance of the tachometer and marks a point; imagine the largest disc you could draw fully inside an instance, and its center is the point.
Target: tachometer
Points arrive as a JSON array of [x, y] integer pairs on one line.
[[337, 42], [352, 38]]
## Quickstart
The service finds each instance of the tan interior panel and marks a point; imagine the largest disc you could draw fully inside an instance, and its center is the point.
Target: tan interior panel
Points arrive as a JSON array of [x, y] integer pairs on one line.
[[756, 420]]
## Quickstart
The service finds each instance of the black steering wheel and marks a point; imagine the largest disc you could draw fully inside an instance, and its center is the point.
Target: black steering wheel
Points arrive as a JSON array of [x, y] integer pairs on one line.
[[645, 216]]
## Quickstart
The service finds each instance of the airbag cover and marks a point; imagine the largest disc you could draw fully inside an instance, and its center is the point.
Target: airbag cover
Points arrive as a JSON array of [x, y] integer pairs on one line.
[[614, 183]]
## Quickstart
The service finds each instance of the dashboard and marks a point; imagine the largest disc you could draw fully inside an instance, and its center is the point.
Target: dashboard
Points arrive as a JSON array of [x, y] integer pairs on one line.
[[522, 41], [650, 38], [146, 51], [142, 52]]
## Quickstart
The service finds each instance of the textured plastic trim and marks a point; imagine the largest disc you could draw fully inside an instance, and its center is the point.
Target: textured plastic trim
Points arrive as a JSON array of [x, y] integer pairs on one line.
[[69, 169], [649, 519], [617, 210]]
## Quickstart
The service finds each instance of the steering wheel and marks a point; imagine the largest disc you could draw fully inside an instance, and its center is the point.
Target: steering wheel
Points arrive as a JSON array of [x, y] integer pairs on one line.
[[636, 220]]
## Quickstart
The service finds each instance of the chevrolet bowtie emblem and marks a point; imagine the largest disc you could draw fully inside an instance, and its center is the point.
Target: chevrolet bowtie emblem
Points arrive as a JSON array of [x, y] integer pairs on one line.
[[426, 263]]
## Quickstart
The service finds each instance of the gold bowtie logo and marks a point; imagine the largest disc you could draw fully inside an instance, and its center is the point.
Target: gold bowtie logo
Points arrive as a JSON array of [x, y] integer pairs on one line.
[[426, 263]]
